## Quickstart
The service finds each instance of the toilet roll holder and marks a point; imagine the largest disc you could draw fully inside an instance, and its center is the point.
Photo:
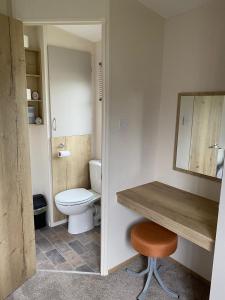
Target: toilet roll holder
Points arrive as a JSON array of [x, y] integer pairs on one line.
[[61, 146]]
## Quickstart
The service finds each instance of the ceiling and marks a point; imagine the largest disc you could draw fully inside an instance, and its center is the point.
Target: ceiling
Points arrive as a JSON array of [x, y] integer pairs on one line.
[[92, 33], [170, 8]]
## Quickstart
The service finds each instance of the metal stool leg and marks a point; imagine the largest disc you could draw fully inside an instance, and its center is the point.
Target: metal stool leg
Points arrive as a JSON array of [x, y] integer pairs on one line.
[[143, 293], [139, 274], [157, 276], [151, 271]]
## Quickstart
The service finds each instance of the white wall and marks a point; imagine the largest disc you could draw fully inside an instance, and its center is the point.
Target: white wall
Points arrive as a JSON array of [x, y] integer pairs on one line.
[[53, 10], [194, 48], [60, 38], [136, 40], [4, 7], [39, 155]]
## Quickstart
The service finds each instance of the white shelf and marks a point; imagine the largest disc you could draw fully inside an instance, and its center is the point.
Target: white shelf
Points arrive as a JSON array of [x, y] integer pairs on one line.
[[32, 100]]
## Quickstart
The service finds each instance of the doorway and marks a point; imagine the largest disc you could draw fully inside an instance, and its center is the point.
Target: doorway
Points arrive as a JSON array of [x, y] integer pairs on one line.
[[66, 139]]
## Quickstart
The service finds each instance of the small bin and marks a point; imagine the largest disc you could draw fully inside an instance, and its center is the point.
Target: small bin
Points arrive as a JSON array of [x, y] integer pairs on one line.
[[40, 209]]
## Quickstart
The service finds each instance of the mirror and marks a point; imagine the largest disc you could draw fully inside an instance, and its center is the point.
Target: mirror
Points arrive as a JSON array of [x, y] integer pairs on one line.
[[200, 134]]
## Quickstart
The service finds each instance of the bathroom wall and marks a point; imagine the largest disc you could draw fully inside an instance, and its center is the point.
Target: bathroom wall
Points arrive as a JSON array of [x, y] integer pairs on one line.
[[194, 48]]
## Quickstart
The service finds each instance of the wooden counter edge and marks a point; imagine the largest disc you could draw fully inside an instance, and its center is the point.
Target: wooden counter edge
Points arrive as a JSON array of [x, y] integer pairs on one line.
[[188, 233]]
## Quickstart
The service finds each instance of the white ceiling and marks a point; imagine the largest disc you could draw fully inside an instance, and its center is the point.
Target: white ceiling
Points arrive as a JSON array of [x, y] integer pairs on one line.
[[170, 8], [92, 33]]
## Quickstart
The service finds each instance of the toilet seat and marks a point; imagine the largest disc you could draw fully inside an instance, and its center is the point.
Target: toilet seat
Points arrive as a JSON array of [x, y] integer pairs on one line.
[[77, 196]]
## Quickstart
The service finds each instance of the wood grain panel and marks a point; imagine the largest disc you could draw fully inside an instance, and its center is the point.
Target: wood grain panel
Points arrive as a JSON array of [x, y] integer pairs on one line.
[[180, 96], [206, 130], [190, 216], [17, 246], [73, 171]]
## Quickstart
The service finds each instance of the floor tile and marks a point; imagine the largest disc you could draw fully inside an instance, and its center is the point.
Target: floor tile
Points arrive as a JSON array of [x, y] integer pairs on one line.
[[57, 249], [41, 257], [65, 267], [38, 250], [77, 247], [55, 257], [84, 268], [73, 258], [84, 238], [94, 248], [67, 237], [62, 246], [59, 228], [45, 265], [92, 261], [38, 235], [44, 244]]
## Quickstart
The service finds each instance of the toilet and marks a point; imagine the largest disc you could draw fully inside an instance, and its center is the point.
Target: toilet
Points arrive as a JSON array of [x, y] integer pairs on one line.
[[77, 203]]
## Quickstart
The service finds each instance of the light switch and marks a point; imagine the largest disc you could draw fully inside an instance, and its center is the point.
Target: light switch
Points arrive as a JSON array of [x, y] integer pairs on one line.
[[123, 124]]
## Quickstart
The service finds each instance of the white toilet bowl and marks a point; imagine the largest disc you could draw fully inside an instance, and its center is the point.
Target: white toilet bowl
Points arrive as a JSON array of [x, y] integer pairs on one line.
[[76, 203]]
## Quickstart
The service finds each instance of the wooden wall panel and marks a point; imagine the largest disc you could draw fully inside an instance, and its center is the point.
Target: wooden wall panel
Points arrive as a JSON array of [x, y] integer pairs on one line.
[[17, 246], [73, 171]]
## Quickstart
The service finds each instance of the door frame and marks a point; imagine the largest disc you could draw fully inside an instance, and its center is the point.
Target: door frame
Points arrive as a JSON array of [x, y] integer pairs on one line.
[[105, 124]]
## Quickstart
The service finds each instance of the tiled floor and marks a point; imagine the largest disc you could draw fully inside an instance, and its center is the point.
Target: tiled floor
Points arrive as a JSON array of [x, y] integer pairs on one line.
[[58, 250]]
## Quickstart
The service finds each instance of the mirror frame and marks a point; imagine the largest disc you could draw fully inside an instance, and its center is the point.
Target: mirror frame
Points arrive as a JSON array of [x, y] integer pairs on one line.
[[222, 93]]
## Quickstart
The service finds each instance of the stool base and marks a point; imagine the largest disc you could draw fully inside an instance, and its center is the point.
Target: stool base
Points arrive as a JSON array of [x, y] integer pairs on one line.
[[151, 271]]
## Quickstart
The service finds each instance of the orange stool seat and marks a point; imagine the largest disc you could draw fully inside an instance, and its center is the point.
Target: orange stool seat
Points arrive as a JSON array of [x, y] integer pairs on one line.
[[153, 240]]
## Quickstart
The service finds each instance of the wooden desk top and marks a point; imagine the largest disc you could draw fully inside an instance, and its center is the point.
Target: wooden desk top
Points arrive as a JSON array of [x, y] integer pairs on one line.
[[190, 216]]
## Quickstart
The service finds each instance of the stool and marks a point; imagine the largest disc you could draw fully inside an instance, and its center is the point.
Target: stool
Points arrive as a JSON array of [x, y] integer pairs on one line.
[[153, 241]]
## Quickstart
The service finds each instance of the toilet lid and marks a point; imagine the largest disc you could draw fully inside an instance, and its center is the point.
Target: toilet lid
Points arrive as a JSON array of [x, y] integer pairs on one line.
[[74, 196]]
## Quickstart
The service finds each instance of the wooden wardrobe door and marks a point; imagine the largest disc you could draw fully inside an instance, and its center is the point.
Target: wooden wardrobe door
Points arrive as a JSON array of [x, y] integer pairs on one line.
[[17, 243], [206, 130]]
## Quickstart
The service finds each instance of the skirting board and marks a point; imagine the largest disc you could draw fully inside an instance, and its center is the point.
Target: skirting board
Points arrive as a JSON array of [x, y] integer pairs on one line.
[[128, 261], [54, 224], [123, 264]]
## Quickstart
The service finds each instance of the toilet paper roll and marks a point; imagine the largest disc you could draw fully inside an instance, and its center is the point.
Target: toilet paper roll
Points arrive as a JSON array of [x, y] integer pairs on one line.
[[26, 41], [64, 153], [28, 94]]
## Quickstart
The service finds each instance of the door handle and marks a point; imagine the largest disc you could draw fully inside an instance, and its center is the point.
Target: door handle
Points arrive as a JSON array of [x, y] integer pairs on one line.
[[54, 124], [215, 146]]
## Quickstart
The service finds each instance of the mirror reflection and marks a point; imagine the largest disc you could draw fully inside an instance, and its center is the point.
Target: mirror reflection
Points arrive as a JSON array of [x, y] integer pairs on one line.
[[200, 134]]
